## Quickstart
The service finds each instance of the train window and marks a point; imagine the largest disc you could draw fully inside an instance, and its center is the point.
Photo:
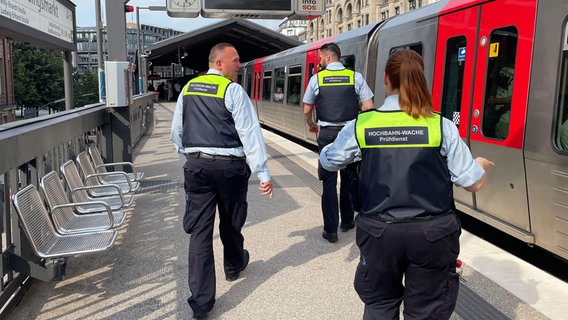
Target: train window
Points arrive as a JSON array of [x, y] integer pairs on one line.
[[453, 78], [279, 76], [416, 47], [240, 79], [310, 70], [348, 62], [502, 53], [294, 83], [266, 82], [249, 83], [562, 122]]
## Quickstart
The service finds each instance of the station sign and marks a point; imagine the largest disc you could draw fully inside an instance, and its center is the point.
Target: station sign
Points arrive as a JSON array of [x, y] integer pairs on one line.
[[52, 18], [247, 8], [309, 8], [250, 9]]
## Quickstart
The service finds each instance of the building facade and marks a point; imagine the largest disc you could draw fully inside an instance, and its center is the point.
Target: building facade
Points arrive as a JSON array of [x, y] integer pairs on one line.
[[344, 15], [86, 57], [294, 28]]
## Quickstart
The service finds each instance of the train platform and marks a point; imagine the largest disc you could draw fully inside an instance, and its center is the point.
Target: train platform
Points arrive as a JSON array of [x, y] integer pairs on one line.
[[293, 273]]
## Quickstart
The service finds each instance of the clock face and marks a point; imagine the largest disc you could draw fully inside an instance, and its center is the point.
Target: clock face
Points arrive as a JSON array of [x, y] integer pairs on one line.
[[183, 8], [184, 4]]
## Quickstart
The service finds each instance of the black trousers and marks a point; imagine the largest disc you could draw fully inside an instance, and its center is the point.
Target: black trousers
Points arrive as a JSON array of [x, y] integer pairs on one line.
[[210, 185], [347, 196], [424, 253]]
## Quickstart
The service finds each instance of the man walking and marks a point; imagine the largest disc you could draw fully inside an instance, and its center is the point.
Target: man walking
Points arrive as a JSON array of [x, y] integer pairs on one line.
[[216, 128], [339, 94]]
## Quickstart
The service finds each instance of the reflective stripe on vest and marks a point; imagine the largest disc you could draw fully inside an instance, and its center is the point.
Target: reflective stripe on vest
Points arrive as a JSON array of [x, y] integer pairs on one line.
[[397, 129]]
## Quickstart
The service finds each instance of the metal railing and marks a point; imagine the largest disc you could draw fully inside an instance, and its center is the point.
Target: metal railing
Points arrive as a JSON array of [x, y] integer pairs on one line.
[[33, 147]]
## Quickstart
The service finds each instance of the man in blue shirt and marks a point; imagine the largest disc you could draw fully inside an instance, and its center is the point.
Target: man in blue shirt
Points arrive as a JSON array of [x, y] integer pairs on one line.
[[339, 94], [215, 127]]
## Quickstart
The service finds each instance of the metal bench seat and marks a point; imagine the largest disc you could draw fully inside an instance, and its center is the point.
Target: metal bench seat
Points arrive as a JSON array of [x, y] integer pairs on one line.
[[100, 166], [110, 194], [91, 178], [41, 233], [63, 212]]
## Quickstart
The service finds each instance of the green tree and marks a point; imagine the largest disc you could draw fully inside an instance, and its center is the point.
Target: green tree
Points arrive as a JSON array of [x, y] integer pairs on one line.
[[38, 76], [86, 88]]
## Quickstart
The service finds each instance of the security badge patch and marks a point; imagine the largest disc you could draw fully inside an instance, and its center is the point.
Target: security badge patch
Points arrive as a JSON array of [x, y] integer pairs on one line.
[[396, 136], [201, 87], [336, 79]]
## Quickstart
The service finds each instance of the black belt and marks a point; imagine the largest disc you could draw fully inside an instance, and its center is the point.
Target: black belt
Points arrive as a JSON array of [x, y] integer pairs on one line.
[[389, 219], [202, 155], [336, 128]]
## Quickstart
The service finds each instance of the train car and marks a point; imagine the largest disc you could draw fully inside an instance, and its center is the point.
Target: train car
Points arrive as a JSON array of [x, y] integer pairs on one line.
[[289, 72], [499, 70]]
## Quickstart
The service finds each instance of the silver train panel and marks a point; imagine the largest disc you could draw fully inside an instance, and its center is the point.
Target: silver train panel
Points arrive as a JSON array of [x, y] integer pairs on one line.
[[504, 195], [547, 167], [394, 34]]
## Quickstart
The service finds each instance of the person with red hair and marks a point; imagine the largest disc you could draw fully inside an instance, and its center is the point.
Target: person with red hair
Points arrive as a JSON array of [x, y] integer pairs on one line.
[[407, 227]]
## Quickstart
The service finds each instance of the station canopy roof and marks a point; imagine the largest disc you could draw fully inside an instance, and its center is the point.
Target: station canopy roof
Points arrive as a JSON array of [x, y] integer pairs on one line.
[[191, 49]]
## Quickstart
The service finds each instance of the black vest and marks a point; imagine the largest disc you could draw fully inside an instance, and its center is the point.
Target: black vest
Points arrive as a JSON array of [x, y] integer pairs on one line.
[[337, 100], [206, 120], [403, 176]]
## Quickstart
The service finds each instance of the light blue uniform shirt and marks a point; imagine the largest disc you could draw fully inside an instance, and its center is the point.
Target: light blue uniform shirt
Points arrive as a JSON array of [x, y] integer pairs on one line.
[[463, 169], [240, 106], [361, 88]]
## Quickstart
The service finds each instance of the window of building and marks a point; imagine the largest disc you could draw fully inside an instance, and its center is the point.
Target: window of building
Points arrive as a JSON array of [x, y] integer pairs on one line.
[[349, 26], [412, 4], [502, 53], [339, 15], [329, 16], [396, 11], [294, 85], [384, 15], [266, 85], [453, 78], [367, 19]]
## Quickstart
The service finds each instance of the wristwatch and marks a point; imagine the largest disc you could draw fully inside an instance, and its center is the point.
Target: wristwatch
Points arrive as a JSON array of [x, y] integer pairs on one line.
[[183, 8]]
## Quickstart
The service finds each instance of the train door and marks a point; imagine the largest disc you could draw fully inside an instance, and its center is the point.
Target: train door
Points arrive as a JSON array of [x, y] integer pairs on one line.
[[498, 111], [452, 84], [312, 67], [257, 87]]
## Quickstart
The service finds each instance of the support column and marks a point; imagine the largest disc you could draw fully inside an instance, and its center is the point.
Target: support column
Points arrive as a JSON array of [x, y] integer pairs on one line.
[[116, 21], [68, 79]]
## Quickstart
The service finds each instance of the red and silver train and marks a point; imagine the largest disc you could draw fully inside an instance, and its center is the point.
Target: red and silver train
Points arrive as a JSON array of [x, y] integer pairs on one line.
[[498, 69]]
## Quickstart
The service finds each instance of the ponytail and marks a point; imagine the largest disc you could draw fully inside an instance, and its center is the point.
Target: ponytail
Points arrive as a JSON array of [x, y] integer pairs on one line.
[[405, 69]]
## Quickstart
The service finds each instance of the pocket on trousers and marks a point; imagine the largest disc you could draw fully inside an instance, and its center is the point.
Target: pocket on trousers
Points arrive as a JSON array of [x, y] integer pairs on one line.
[[373, 227], [239, 218], [237, 171], [360, 281], [450, 297], [440, 228], [189, 220]]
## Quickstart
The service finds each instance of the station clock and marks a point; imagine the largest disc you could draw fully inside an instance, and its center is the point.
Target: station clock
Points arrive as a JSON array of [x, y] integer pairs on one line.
[[183, 8]]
